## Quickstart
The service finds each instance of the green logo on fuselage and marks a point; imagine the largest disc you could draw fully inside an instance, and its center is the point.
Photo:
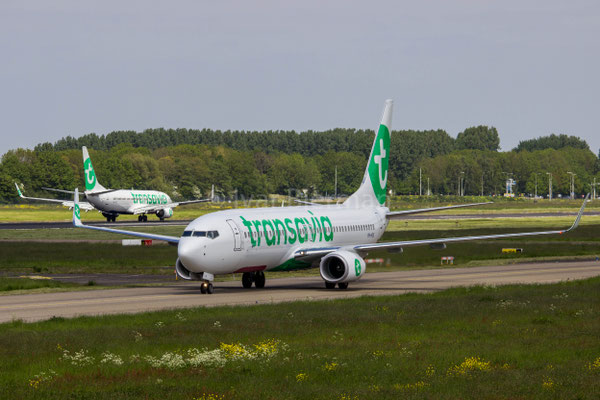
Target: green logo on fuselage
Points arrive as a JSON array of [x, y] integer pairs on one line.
[[143, 198], [289, 230], [378, 165]]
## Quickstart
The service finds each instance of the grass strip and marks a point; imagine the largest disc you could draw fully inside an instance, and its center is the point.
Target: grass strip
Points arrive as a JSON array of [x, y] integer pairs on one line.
[[535, 341]]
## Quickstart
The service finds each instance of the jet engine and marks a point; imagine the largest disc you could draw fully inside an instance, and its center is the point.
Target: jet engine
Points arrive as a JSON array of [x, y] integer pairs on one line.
[[342, 266], [165, 213], [185, 273]]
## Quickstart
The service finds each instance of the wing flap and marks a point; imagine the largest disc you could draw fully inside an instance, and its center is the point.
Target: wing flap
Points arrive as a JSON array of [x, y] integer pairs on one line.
[[400, 214]]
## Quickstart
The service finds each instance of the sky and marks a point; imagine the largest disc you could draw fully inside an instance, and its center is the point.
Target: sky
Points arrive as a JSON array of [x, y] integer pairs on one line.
[[529, 68]]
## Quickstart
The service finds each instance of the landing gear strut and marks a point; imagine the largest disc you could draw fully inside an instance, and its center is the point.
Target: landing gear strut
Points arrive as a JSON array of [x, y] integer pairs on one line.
[[110, 217], [256, 277]]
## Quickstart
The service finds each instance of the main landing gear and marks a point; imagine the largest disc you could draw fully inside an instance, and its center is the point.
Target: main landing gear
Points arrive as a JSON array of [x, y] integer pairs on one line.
[[256, 277], [331, 285], [207, 288], [142, 218], [110, 217]]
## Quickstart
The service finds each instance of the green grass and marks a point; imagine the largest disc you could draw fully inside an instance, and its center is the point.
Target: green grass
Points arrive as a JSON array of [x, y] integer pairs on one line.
[[532, 342], [36, 211], [95, 257], [19, 284]]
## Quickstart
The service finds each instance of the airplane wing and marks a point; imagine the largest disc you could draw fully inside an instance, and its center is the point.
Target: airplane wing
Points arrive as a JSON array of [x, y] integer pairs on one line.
[[78, 224], [67, 203], [400, 214], [315, 253]]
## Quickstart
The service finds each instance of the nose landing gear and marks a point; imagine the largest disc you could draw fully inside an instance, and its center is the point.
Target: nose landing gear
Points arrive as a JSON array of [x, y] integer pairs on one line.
[[207, 288], [256, 277]]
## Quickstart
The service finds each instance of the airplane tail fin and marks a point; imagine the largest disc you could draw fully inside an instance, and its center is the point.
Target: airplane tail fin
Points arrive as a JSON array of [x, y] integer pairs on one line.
[[76, 209], [373, 189], [91, 182]]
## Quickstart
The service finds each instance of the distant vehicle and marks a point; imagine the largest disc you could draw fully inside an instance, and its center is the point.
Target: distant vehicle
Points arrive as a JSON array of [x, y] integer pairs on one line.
[[112, 202], [333, 238]]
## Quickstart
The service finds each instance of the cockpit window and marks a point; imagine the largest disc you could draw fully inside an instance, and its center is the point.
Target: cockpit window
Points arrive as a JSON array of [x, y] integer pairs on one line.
[[209, 234]]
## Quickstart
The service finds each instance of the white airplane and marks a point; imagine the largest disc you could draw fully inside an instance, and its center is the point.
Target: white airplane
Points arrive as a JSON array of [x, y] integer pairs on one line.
[[333, 238], [112, 202]]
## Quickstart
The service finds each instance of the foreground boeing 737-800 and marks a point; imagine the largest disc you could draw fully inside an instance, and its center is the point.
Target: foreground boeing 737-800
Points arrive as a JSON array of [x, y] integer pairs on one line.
[[112, 202], [333, 238]]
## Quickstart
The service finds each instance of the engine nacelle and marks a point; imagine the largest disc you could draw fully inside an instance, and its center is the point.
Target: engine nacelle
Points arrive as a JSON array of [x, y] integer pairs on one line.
[[185, 273], [165, 213], [342, 266]]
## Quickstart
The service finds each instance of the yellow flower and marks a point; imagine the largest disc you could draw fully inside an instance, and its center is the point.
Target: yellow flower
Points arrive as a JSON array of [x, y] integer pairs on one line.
[[331, 366], [430, 371], [548, 383], [595, 365], [470, 364], [301, 377], [410, 386]]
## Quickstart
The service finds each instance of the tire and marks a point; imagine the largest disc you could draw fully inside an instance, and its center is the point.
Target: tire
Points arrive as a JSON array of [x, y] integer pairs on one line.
[[203, 288], [210, 288], [329, 285], [259, 280], [247, 280], [343, 285]]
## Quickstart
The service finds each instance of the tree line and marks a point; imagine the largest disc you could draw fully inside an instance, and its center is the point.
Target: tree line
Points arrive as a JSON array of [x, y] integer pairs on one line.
[[185, 163]]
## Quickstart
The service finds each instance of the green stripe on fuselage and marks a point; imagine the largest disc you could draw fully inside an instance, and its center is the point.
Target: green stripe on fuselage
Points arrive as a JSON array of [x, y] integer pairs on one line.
[[292, 265]]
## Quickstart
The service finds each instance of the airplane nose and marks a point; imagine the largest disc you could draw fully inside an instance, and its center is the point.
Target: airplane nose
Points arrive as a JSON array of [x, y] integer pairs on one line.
[[188, 254]]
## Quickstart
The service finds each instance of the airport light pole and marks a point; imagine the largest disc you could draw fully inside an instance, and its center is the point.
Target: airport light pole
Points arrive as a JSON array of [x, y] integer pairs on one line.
[[335, 182], [420, 182], [549, 185], [572, 180]]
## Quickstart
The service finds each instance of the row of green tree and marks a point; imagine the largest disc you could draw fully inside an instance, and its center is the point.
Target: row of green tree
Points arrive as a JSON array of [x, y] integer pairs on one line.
[[257, 163]]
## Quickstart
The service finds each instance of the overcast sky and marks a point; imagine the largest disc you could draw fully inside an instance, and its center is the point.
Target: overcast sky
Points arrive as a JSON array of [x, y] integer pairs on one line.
[[529, 68]]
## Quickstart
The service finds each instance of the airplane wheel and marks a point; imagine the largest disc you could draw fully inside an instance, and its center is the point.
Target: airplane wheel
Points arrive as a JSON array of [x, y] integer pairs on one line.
[[210, 288], [247, 280], [145, 218], [203, 288], [329, 285], [259, 280], [139, 218], [343, 285]]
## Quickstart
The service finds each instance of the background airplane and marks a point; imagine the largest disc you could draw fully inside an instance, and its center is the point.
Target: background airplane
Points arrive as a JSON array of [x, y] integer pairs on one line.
[[333, 238], [112, 202]]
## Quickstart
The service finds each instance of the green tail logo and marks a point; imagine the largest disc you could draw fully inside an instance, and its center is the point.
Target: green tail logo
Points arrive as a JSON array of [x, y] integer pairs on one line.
[[90, 176], [77, 212], [378, 165]]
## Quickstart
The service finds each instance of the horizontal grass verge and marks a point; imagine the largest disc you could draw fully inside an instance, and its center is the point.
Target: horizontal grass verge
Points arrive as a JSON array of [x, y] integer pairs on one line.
[[535, 341]]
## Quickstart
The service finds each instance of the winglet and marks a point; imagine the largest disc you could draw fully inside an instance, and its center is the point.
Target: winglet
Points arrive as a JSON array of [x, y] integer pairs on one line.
[[19, 190], [76, 210], [576, 223]]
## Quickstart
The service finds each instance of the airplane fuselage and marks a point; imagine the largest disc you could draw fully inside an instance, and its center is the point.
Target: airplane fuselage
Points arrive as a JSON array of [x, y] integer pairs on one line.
[[126, 201], [266, 238]]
